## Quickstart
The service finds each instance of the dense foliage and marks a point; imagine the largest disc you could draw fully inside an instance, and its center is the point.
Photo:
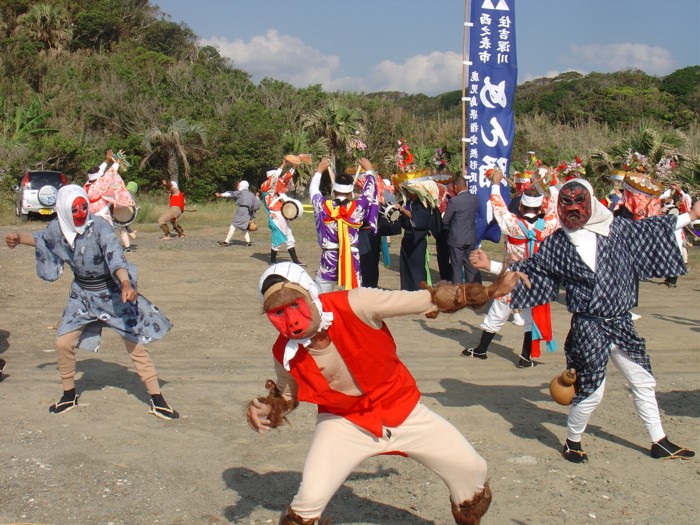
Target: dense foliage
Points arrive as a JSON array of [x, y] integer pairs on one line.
[[78, 77]]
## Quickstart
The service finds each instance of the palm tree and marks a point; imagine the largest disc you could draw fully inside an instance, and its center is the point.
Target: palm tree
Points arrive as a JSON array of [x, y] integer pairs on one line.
[[647, 140], [47, 24], [173, 145], [336, 125], [300, 142]]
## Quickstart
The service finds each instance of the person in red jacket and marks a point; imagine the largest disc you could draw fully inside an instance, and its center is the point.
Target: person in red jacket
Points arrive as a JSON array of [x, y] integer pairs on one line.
[[335, 351], [175, 209]]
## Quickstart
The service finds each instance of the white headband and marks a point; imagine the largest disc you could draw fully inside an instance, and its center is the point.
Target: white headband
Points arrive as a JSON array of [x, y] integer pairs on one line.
[[297, 275], [342, 188], [531, 202]]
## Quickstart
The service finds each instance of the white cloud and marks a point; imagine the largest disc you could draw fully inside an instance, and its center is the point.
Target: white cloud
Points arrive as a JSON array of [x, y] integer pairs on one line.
[[281, 57], [614, 57], [430, 74], [289, 59]]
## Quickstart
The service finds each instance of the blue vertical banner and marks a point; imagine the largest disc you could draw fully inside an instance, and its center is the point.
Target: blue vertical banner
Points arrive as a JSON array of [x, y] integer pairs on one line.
[[489, 98]]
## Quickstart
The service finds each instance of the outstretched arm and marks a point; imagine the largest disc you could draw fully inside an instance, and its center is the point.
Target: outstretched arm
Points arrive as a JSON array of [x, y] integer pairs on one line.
[[14, 239]]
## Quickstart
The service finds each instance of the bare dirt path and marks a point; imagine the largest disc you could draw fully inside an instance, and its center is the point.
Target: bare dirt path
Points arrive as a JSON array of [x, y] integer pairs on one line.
[[109, 462]]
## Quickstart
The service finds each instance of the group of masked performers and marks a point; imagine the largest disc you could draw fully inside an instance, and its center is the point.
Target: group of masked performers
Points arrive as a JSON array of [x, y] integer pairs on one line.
[[334, 348]]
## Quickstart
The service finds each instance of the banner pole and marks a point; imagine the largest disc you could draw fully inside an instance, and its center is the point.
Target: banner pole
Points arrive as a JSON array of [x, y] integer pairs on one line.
[[464, 86]]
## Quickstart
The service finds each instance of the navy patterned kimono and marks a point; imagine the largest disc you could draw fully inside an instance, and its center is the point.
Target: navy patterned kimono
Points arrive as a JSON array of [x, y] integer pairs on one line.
[[601, 300], [97, 253]]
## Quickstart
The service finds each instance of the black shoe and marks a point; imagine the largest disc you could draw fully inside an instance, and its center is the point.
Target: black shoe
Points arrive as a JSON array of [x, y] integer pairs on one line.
[[128, 250], [573, 452], [161, 409], [222, 243], [524, 362], [249, 244], [66, 403], [664, 449], [471, 352], [2, 365]]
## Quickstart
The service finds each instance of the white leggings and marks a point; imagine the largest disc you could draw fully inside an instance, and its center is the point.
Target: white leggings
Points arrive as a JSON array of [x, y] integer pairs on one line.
[[643, 393], [232, 230], [339, 446], [498, 314]]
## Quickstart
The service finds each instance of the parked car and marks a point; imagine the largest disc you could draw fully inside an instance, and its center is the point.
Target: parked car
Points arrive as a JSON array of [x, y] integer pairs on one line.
[[36, 193]]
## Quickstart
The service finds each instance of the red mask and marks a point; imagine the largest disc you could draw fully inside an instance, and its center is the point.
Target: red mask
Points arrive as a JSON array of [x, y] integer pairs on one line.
[[574, 206], [293, 320], [79, 209]]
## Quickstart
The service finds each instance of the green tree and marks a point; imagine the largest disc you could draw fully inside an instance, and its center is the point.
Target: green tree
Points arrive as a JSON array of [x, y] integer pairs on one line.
[[173, 145], [336, 125], [22, 123], [47, 24]]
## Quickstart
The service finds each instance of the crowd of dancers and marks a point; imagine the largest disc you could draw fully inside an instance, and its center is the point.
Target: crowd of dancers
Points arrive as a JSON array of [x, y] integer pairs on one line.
[[334, 348]]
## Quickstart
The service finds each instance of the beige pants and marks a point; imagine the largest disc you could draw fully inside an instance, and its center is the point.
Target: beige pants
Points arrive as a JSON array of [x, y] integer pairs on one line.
[[171, 215], [339, 446], [65, 354]]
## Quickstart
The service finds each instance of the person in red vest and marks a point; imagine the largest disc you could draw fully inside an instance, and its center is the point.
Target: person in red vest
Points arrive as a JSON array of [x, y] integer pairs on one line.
[[177, 206], [334, 350]]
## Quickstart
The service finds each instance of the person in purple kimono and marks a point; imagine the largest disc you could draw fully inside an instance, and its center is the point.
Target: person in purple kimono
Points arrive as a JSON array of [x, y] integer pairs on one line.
[[338, 221]]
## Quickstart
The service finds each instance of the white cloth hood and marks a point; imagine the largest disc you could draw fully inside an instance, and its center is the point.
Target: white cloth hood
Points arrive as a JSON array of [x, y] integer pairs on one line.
[[297, 275], [600, 220], [64, 202]]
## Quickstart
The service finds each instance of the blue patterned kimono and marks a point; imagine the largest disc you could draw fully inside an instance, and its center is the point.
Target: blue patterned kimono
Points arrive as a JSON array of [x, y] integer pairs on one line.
[[601, 300], [97, 253]]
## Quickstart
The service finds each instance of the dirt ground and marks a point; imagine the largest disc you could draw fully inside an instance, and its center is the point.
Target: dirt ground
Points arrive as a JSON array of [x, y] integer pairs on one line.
[[109, 462]]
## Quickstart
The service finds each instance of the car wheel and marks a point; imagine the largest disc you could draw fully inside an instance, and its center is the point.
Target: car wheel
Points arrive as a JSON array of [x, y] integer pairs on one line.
[[47, 195]]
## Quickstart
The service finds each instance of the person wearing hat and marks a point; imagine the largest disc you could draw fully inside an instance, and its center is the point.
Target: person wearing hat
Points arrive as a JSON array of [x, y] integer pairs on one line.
[[103, 294], [133, 188], [524, 232], [676, 201], [106, 188], [248, 204], [175, 208], [334, 350], [596, 258], [274, 191], [338, 221]]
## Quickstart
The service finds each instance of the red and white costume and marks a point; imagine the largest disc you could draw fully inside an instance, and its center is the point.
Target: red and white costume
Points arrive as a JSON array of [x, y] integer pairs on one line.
[[106, 191], [368, 402]]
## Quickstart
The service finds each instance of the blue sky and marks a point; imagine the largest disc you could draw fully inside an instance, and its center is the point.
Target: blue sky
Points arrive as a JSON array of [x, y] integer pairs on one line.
[[415, 46]]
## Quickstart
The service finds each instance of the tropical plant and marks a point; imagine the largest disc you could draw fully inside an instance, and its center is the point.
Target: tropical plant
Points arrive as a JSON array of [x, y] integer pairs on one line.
[[23, 123], [47, 24], [336, 124], [173, 145]]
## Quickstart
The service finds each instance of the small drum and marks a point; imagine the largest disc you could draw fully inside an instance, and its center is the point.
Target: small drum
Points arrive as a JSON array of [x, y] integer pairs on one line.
[[124, 215], [292, 208], [390, 211], [670, 210]]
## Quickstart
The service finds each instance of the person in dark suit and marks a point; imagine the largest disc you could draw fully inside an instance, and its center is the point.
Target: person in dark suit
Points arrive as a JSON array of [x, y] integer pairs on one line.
[[460, 219]]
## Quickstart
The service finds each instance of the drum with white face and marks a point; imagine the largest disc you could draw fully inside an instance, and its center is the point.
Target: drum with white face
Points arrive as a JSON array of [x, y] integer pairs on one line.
[[124, 215], [292, 209], [390, 211]]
